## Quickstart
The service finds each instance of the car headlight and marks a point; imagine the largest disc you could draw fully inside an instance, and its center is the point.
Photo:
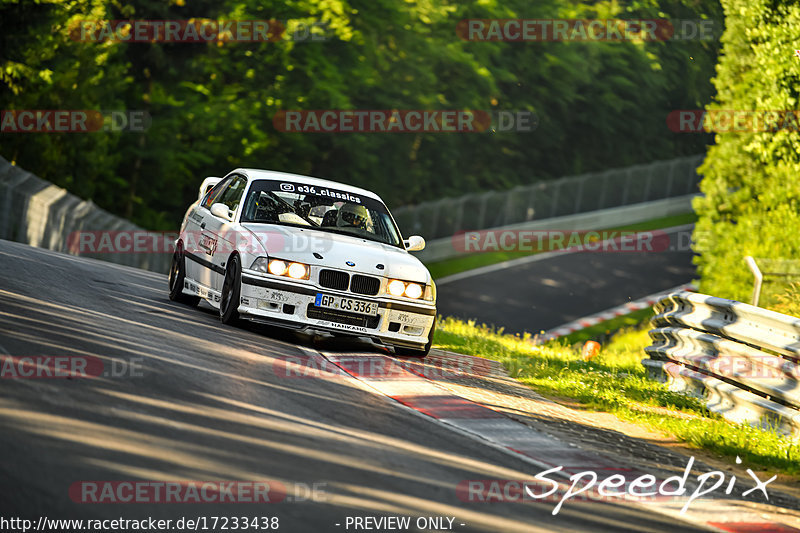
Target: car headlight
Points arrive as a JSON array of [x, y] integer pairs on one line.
[[396, 287], [280, 267], [414, 290], [409, 289], [277, 267], [298, 271]]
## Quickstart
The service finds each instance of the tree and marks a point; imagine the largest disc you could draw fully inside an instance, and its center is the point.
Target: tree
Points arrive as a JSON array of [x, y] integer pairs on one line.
[[752, 195]]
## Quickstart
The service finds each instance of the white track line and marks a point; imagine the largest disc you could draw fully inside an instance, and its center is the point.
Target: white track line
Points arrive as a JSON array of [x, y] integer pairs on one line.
[[608, 314]]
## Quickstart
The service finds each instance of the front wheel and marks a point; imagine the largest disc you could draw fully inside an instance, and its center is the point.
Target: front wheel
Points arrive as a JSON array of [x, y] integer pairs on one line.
[[177, 275], [412, 352], [231, 293]]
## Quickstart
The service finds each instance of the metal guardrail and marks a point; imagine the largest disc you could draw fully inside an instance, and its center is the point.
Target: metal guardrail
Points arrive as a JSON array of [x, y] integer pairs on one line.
[[614, 217], [551, 198], [36, 212], [743, 360]]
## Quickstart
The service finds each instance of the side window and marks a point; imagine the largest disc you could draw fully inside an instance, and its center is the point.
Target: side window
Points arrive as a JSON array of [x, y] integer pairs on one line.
[[233, 194], [215, 193]]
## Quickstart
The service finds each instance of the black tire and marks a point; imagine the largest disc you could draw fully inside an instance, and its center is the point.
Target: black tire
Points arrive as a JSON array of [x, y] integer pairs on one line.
[[412, 352], [177, 274], [231, 293]]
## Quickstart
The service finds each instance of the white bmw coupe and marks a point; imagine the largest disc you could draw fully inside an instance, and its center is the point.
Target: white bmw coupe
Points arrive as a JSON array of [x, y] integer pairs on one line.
[[304, 253]]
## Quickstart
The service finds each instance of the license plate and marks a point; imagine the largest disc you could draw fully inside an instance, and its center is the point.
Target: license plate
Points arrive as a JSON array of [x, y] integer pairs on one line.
[[346, 304]]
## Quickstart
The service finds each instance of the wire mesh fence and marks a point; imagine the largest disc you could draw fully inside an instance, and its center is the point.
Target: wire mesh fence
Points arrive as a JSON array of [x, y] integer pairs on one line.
[[778, 277], [552, 198]]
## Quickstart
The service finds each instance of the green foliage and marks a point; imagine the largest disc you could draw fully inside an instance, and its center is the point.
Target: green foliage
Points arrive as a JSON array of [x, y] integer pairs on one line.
[[600, 105], [789, 302], [752, 193]]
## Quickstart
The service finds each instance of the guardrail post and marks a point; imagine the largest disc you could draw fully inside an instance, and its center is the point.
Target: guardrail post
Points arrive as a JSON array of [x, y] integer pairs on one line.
[[482, 213], [557, 186], [602, 201], [458, 225], [579, 194], [646, 197], [759, 278], [627, 187], [670, 178]]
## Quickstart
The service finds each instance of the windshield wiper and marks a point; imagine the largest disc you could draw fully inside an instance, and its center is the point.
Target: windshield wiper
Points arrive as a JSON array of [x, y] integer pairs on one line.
[[291, 209]]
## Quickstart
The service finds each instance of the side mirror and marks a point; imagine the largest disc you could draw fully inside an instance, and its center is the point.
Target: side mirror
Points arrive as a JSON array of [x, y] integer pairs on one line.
[[207, 185], [221, 211], [415, 243]]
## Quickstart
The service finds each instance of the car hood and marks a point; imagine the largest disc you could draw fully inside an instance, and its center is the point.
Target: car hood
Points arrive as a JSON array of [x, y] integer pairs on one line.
[[301, 244]]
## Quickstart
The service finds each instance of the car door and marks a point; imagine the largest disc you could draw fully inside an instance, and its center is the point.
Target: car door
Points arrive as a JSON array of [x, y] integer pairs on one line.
[[199, 240], [224, 231]]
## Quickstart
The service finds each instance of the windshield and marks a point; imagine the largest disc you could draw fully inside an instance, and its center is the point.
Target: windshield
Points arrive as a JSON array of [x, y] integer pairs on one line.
[[295, 204]]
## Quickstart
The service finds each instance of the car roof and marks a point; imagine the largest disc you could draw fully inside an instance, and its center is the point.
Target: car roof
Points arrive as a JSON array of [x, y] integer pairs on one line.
[[260, 174]]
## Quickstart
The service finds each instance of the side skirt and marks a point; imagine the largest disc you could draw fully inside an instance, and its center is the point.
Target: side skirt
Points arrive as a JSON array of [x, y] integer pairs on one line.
[[195, 288]]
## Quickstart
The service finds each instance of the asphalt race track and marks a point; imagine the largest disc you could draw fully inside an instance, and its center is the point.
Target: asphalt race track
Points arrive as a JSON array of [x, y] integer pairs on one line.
[[547, 292], [182, 397]]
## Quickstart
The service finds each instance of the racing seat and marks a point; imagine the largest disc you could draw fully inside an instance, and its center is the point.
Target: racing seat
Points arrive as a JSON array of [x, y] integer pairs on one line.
[[266, 210], [329, 219]]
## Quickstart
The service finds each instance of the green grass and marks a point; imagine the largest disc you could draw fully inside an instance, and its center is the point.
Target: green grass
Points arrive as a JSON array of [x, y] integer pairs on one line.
[[469, 261], [616, 382]]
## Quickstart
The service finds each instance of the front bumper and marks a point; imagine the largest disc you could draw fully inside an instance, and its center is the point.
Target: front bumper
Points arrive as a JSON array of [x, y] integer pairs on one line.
[[291, 304]]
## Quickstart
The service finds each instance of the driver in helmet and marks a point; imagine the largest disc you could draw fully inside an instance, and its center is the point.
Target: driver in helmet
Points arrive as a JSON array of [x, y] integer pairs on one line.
[[352, 216]]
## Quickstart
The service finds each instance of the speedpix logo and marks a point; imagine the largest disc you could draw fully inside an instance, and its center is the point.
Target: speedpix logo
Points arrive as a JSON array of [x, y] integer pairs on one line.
[[588, 486]]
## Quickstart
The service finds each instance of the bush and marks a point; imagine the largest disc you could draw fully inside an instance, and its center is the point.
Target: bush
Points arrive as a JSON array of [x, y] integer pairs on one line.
[[752, 193], [789, 302]]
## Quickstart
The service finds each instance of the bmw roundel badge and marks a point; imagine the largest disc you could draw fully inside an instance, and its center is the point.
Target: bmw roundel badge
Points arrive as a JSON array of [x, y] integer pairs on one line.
[[349, 263]]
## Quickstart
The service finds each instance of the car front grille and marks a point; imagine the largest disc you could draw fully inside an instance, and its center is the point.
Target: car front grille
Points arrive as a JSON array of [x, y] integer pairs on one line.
[[342, 317], [334, 279], [365, 285]]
